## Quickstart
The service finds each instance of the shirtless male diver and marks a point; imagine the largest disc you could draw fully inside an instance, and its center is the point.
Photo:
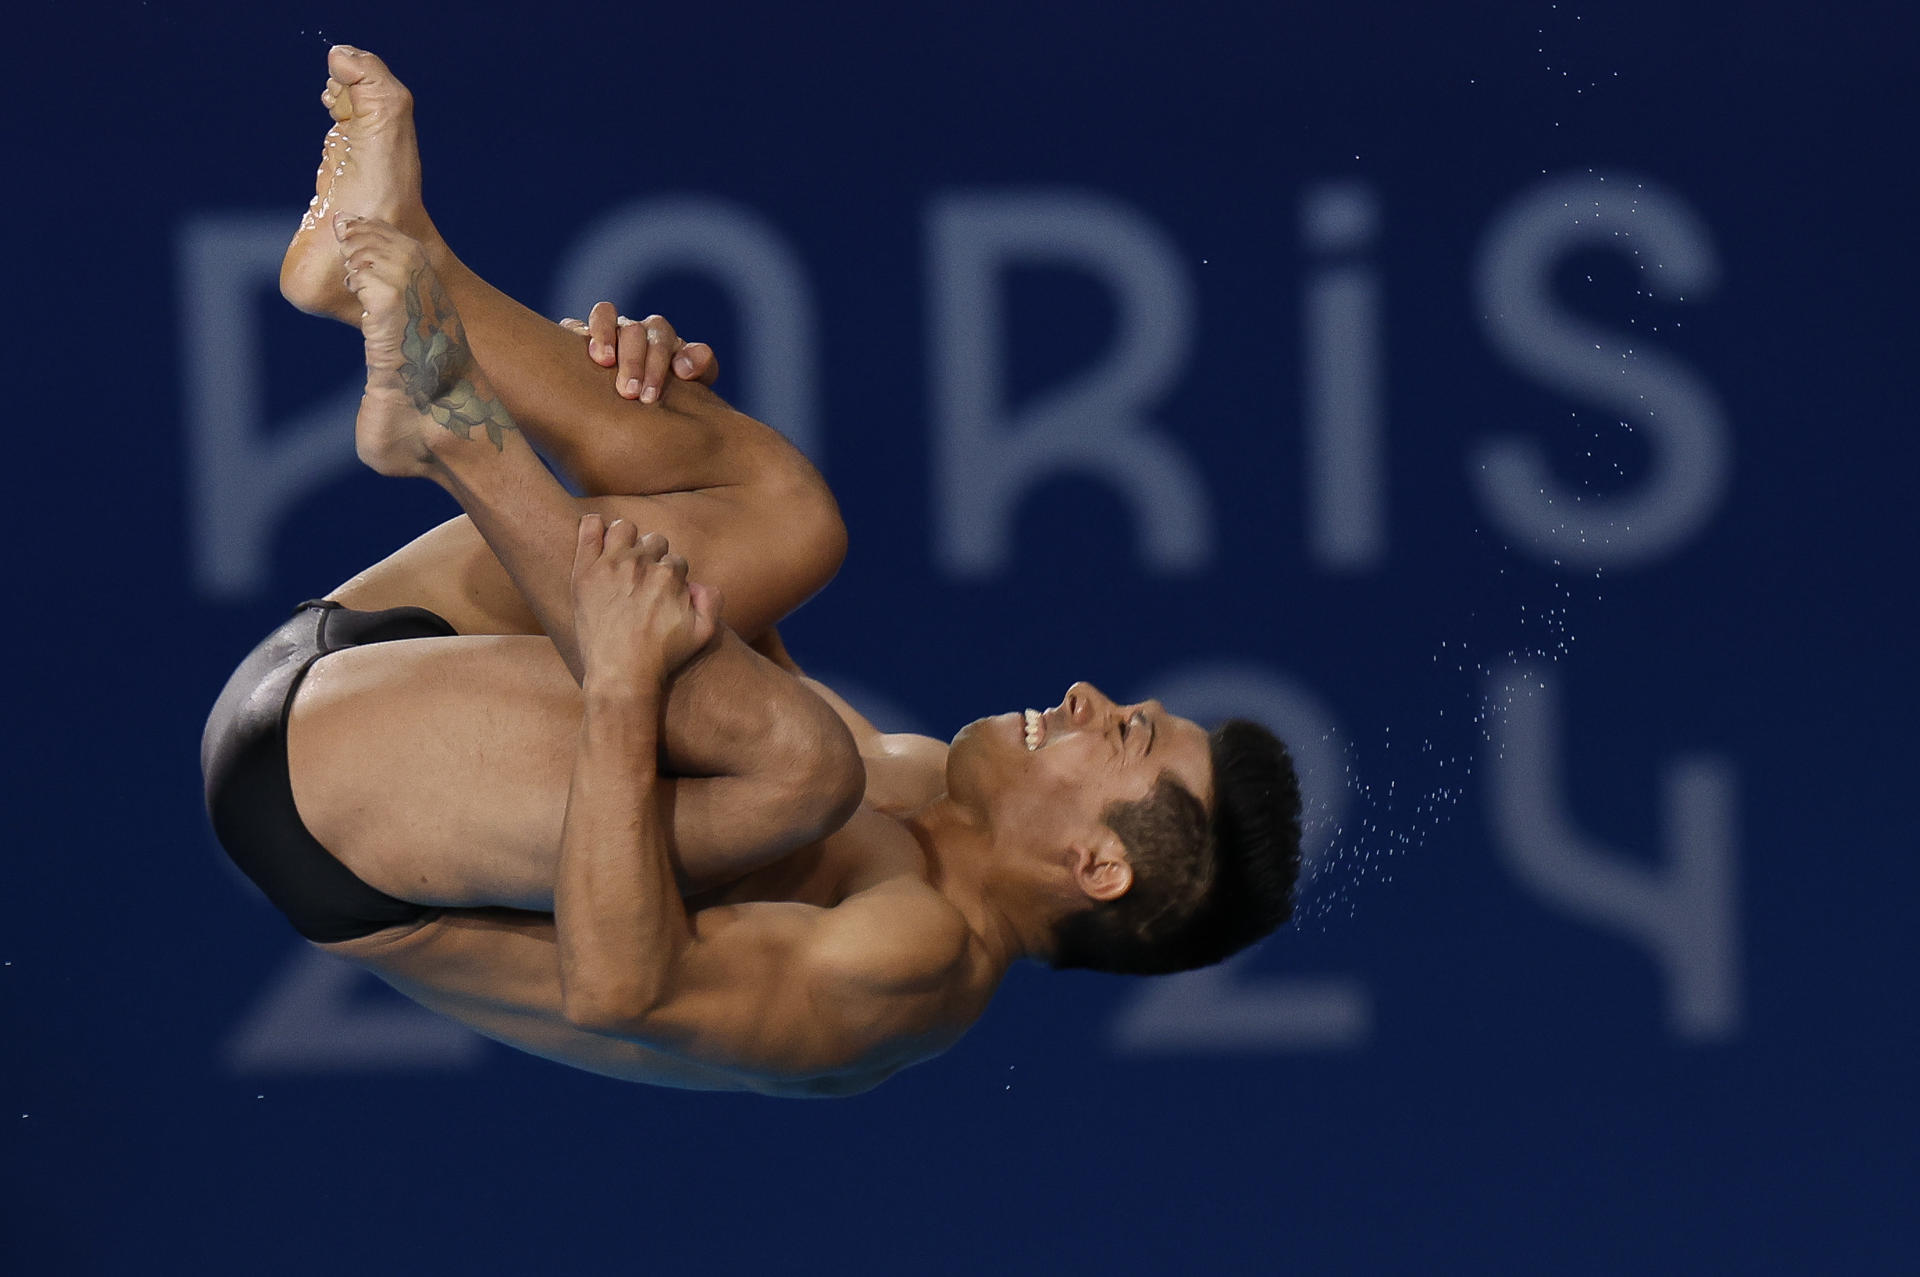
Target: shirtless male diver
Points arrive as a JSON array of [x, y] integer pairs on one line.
[[580, 812]]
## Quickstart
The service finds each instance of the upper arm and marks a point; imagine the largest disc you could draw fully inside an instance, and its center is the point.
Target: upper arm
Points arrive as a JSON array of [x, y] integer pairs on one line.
[[799, 990]]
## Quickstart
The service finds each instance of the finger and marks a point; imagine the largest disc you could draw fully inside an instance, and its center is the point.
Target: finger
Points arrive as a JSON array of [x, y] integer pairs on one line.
[[652, 546], [632, 357], [662, 343], [675, 564], [696, 362], [602, 333], [356, 224], [708, 604], [636, 349], [578, 327], [621, 534], [587, 548], [663, 331]]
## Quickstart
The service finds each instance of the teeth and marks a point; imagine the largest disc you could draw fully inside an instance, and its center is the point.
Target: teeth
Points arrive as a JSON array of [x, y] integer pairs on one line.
[[1033, 730]]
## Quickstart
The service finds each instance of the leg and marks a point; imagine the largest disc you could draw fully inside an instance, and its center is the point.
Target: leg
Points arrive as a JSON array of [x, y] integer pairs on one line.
[[437, 769], [742, 505], [373, 773]]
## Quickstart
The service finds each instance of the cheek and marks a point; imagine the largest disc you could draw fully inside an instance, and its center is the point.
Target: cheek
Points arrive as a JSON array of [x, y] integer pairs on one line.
[[1054, 793]]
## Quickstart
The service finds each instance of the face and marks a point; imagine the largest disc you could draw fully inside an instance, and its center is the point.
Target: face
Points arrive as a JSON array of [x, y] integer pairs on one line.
[[1044, 777]]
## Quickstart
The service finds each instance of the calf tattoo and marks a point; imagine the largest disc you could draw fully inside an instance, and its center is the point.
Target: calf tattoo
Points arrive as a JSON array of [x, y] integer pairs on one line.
[[438, 364]]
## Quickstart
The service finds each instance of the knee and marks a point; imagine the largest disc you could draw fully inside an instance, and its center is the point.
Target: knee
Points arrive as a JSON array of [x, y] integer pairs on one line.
[[830, 540], [826, 777], [811, 529]]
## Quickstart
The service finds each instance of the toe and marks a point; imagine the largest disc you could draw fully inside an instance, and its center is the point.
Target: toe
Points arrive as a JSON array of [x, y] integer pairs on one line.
[[365, 83], [356, 66], [349, 65]]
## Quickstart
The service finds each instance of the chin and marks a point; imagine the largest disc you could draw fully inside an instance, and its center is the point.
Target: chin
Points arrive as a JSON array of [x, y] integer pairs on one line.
[[993, 734], [975, 745]]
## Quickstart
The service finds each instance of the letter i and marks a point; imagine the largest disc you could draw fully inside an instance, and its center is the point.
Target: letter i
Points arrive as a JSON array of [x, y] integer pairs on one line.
[[1344, 385]]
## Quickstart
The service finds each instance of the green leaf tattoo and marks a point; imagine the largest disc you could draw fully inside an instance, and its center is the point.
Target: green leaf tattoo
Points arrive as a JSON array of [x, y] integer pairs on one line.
[[437, 362]]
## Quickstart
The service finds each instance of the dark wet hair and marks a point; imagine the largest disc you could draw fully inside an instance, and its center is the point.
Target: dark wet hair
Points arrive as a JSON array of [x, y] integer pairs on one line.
[[1204, 888]]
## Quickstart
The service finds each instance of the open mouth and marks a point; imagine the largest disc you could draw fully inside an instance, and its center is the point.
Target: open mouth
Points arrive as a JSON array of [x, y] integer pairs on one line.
[[1036, 729]]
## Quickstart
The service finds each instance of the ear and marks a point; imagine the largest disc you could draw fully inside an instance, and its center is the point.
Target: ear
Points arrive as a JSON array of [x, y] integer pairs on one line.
[[1101, 870]]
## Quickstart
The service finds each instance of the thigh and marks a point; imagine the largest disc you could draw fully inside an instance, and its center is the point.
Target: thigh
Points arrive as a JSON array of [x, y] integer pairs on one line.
[[437, 769], [729, 536]]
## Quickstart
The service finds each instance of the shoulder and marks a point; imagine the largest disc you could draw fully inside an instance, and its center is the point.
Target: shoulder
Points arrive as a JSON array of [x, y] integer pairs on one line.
[[907, 748], [904, 773], [872, 741]]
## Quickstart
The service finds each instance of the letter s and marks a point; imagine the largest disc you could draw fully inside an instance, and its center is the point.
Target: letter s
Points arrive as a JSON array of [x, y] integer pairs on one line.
[[1669, 403]]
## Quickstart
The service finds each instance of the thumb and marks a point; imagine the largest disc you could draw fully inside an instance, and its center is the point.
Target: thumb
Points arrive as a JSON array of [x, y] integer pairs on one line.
[[708, 603], [590, 543]]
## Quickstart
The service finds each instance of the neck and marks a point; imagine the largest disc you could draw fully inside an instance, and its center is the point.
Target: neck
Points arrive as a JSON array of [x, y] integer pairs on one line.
[[1007, 914]]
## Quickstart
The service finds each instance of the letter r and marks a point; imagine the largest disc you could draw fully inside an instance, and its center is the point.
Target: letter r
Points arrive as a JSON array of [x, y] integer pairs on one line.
[[986, 453], [243, 476]]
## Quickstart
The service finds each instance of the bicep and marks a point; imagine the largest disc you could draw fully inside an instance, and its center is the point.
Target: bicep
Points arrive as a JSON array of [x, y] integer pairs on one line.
[[497, 972], [797, 990], [742, 994]]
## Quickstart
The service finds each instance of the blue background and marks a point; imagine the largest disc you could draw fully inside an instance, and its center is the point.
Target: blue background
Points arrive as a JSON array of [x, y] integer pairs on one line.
[[1518, 1095]]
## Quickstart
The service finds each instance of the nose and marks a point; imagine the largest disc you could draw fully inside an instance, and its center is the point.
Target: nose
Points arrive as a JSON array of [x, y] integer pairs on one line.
[[1083, 701]]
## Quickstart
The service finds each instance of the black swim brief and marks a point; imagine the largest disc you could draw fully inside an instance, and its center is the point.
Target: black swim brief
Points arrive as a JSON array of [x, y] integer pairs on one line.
[[243, 759]]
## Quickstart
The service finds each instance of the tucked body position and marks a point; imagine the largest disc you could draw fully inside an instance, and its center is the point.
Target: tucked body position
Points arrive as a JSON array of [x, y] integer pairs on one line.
[[549, 770]]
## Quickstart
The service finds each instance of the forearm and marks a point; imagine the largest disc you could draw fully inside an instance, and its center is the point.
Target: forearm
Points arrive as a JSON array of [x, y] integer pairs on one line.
[[617, 908]]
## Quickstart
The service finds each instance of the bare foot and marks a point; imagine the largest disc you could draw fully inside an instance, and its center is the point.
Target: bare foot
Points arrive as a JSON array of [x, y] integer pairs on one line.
[[423, 388], [369, 167]]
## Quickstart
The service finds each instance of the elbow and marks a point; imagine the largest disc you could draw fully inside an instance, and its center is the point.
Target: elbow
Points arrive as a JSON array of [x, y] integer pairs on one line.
[[603, 1008], [845, 789], [591, 1017]]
